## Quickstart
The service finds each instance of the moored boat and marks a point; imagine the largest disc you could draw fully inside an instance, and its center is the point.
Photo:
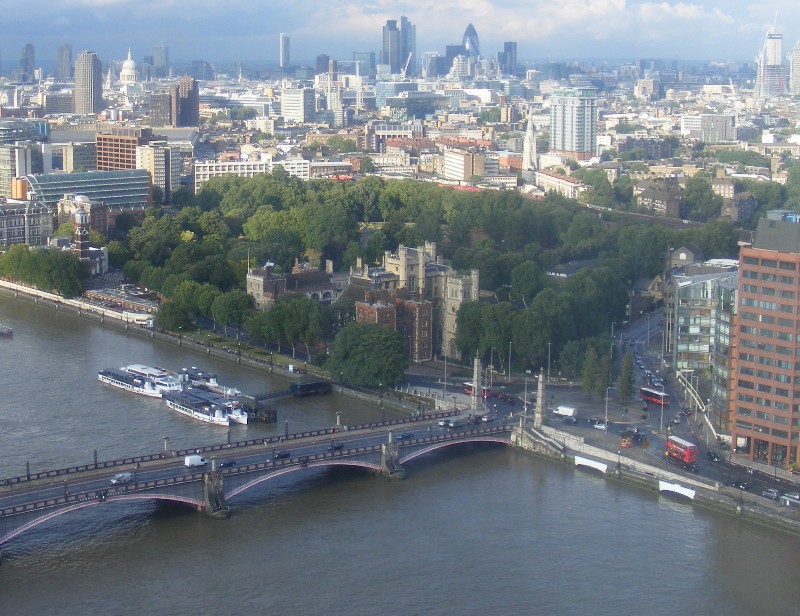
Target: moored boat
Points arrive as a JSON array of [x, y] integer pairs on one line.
[[6, 331], [197, 407], [141, 379], [206, 380]]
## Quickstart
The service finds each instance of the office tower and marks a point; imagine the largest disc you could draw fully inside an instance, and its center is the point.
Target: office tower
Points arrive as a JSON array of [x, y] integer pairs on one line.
[[471, 43], [27, 59], [88, 96], [573, 122], [116, 147], [298, 105], [794, 71], [283, 51], [321, 64], [367, 66], [408, 47], [16, 160], [391, 46], [771, 74], [160, 60], [507, 59], [64, 65], [185, 102], [765, 380]]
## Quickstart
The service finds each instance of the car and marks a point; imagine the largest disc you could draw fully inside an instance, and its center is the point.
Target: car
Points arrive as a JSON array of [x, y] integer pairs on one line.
[[713, 456], [771, 494], [120, 479], [630, 433], [739, 484], [570, 420], [487, 418], [336, 446], [282, 455], [600, 426], [639, 437], [692, 467], [595, 420], [793, 495], [406, 436], [226, 463], [676, 420], [444, 423]]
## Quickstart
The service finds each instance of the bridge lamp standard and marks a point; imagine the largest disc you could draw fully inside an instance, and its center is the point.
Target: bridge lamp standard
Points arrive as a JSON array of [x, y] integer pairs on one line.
[[607, 390], [525, 399]]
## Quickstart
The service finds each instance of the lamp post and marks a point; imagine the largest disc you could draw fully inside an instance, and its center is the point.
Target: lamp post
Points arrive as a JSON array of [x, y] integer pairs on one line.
[[548, 362], [648, 332], [491, 363], [525, 400], [607, 390], [508, 376], [180, 336]]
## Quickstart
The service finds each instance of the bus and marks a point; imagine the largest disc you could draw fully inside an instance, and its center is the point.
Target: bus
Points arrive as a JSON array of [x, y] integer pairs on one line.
[[654, 396], [469, 388]]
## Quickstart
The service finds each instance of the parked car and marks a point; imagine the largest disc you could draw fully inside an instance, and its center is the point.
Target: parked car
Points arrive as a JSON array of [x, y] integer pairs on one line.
[[771, 494], [120, 479]]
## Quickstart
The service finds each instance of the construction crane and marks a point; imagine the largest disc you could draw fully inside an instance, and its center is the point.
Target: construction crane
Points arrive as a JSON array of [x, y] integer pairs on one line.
[[359, 86], [405, 68]]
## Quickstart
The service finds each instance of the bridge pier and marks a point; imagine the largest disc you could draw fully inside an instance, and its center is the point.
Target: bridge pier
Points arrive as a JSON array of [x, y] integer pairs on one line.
[[390, 460], [214, 495]]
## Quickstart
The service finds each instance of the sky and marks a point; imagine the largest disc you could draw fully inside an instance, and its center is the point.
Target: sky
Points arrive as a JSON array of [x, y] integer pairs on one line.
[[247, 30]]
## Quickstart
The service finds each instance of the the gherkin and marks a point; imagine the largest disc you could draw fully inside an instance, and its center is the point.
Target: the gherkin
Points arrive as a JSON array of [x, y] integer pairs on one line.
[[471, 42]]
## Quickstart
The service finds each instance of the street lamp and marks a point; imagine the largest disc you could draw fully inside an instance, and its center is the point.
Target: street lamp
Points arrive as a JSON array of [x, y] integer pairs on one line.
[[548, 362], [607, 390], [508, 376], [180, 335], [525, 400]]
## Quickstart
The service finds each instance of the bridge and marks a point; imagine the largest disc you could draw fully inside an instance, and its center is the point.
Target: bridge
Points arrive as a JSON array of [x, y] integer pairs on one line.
[[232, 468]]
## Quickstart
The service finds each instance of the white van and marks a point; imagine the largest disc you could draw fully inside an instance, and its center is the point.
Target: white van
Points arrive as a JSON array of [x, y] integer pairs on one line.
[[194, 460]]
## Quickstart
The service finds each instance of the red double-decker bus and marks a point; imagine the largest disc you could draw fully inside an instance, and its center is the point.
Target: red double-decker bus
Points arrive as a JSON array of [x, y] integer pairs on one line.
[[469, 388], [654, 396]]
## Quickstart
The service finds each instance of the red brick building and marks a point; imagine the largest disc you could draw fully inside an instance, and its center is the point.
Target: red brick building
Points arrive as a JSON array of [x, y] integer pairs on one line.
[[397, 310]]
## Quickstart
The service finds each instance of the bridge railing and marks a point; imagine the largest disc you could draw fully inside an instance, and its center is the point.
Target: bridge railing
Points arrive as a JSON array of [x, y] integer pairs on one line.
[[82, 468]]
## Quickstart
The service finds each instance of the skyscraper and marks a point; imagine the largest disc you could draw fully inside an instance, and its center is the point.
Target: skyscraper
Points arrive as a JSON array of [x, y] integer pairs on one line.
[[321, 64], [771, 74], [161, 60], [794, 71], [509, 58], [573, 122], [283, 52], [408, 46], [27, 62], [471, 43], [391, 45], [88, 96], [64, 65]]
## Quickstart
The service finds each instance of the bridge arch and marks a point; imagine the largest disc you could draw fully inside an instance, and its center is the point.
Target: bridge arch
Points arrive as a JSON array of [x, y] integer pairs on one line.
[[83, 504], [299, 467], [486, 438]]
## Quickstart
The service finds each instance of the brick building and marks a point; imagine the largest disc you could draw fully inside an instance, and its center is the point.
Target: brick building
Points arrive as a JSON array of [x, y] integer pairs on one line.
[[399, 311]]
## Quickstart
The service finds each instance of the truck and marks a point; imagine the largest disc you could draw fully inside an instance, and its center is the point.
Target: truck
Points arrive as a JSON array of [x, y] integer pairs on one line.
[[194, 460], [564, 411], [680, 449]]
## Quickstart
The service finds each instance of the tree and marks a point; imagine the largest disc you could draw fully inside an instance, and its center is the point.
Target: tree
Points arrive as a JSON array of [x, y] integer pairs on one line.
[[527, 279], [367, 166], [171, 316], [367, 355], [592, 376], [232, 308]]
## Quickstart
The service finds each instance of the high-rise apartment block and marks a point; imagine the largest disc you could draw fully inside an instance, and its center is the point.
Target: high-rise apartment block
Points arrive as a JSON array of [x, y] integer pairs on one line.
[[88, 96], [185, 102], [771, 75], [164, 164], [765, 375], [573, 122]]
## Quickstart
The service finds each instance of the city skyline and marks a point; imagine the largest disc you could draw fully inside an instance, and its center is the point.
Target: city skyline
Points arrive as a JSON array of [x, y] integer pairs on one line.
[[619, 29]]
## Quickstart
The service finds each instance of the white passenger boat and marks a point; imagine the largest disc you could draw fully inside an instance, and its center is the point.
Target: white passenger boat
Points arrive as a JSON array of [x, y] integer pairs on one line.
[[196, 407], [141, 379]]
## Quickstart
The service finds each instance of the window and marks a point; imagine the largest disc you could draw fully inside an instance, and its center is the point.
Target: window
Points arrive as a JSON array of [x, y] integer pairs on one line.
[[769, 263], [764, 374], [783, 279], [784, 336], [744, 384], [750, 260], [787, 294], [787, 265], [769, 277], [767, 291]]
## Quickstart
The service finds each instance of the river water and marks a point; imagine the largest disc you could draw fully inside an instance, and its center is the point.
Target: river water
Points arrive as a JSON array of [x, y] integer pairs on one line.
[[472, 530]]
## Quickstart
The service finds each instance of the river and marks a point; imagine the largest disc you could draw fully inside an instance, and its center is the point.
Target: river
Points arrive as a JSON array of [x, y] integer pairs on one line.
[[472, 530]]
